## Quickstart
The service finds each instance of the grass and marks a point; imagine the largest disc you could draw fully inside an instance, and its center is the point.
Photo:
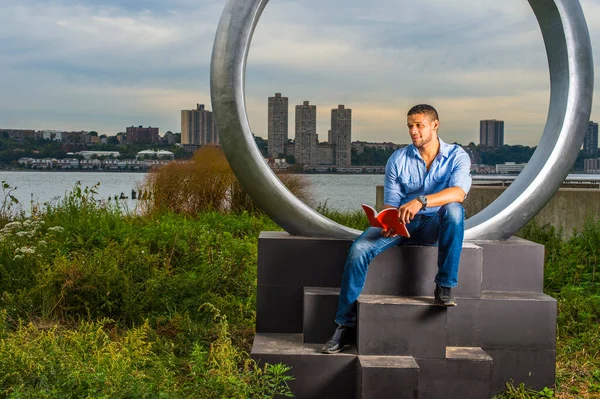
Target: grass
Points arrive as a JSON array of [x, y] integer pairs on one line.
[[571, 276], [98, 304]]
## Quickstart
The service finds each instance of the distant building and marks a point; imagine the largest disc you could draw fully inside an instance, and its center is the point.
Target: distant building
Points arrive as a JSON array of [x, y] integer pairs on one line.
[[590, 142], [341, 135], [98, 154], [151, 154], [198, 127], [277, 129], [359, 146], [306, 134], [491, 133], [142, 135], [325, 154], [510, 168], [20, 134], [591, 165], [74, 137], [53, 135], [171, 138]]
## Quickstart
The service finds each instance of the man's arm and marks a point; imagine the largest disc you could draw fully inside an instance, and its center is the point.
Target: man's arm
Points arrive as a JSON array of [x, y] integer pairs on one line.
[[451, 194], [460, 183]]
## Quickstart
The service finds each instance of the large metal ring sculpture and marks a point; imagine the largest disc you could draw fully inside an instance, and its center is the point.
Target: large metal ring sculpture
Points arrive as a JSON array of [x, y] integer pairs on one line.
[[568, 47]]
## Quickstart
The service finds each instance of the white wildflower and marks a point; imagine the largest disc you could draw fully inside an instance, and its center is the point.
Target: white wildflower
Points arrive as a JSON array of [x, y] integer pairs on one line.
[[26, 250], [16, 257], [11, 226], [42, 242], [22, 233], [57, 229]]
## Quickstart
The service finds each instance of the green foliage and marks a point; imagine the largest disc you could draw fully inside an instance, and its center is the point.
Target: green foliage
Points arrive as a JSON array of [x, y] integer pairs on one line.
[[370, 157], [355, 219], [521, 392], [571, 276], [506, 153], [80, 274]]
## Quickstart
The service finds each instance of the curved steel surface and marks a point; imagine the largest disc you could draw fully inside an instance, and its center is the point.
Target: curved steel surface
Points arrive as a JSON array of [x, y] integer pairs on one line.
[[571, 82], [570, 61]]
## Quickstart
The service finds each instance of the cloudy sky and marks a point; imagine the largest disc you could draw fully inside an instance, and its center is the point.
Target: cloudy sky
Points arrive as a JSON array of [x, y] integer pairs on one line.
[[106, 64]]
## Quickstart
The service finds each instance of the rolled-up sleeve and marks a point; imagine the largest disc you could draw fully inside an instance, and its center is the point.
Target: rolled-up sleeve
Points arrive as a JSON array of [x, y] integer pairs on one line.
[[392, 195], [461, 172]]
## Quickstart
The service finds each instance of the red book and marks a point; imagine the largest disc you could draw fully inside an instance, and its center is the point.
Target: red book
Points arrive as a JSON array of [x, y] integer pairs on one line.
[[386, 219]]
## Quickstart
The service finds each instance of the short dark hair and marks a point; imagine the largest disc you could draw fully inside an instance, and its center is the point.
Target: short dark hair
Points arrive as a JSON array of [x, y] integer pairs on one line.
[[424, 109]]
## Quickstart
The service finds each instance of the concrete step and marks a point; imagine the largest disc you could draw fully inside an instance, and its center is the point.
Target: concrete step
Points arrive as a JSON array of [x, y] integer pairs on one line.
[[401, 326], [512, 265], [320, 305], [465, 372], [536, 368], [387, 377], [504, 320], [410, 271], [317, 375], [287, 264]]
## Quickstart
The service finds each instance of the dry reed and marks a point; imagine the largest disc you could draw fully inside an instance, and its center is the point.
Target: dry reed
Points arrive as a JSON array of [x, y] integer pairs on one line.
[[206, 183]]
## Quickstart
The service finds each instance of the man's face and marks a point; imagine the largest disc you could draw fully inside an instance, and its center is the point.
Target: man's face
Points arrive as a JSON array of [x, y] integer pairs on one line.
[[422, 129]]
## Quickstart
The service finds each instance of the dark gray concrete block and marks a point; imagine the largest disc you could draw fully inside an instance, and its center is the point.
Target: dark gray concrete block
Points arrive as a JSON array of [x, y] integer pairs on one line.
[[317, 375], [463, 323], [320, 305], [463, 373], [319, 262], [518, 320], [387, 377], [534, 368], [410, 271], [504, 320], [285, 260], [512, 265], [400, 326], [279, 309]]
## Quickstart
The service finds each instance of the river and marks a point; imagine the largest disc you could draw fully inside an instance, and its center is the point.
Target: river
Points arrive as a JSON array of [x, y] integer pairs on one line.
[[341, 192]]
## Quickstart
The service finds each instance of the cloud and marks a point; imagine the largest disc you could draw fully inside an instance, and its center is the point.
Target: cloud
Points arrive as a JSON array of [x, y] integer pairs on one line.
[[107, 64]]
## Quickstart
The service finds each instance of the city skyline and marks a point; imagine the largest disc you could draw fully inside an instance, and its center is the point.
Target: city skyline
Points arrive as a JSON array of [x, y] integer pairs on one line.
[[103, 64]]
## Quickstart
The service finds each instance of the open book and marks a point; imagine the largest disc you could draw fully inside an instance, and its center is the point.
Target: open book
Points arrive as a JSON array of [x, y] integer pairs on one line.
[[386, 219]]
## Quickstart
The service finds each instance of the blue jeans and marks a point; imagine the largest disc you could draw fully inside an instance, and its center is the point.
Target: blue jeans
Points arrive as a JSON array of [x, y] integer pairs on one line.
[[444, 229]]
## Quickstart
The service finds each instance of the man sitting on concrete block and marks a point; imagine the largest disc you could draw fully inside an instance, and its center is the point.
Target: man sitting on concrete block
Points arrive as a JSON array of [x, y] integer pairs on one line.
[[427, 181]]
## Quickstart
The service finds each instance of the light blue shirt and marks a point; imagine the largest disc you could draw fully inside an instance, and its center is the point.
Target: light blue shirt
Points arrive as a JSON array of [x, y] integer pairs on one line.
[[407, 177]]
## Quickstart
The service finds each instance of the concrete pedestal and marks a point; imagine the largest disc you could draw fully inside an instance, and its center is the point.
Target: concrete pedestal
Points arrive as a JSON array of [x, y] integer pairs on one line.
[[504, 327]]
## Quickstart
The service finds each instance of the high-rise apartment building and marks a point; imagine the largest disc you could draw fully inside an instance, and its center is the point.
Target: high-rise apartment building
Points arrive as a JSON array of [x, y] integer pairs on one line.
[[277, 129], [198, 127], [142, 135], [491, 133], [341, 135], [306, 134], [590, 142]]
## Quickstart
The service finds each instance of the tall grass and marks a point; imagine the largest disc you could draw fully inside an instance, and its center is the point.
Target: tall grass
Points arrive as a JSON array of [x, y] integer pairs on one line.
[[207, 183]]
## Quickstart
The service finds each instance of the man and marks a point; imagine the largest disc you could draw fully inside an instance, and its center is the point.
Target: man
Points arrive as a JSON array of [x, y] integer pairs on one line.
[[427, 181]]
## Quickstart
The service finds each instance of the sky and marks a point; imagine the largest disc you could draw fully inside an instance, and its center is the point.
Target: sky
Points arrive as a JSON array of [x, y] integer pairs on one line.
[[104, 65]]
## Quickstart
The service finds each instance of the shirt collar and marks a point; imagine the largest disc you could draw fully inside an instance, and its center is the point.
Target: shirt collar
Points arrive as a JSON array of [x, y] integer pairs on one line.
[[444, 149]]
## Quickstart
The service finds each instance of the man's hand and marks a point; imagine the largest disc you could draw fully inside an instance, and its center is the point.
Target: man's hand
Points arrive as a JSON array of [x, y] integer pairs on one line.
[[388, 233], [408, 211]]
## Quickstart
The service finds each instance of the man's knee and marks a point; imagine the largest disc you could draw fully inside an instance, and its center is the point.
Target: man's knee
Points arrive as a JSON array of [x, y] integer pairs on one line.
[[452, 212], [359, 248]]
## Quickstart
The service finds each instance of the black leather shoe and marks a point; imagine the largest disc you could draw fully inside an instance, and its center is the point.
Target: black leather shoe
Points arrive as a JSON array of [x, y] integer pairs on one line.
[[341, 336], [443, 296]]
